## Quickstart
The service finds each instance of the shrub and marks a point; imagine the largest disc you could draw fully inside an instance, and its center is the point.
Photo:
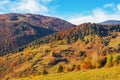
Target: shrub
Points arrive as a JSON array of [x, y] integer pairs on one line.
[[77, 68], [86, 64], [116, 59], [98, 61], [82, 53], [95, 60], [109, 60], [59, 69], [44, 72], [66, 69], [103, 60], [72, 67]]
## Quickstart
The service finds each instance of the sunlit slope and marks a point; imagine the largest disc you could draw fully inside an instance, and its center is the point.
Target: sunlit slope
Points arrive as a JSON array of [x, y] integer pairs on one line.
[[96, 74]]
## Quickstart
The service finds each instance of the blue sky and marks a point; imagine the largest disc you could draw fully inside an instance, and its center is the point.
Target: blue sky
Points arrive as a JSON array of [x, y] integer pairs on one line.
[[74, 11]]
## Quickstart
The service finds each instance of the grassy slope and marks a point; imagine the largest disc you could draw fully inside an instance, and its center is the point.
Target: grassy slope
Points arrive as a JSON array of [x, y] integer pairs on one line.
[[112, 73]]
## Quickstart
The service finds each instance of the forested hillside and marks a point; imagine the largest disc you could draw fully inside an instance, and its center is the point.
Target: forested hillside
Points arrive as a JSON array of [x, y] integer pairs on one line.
[[87, 46], [17, 30]]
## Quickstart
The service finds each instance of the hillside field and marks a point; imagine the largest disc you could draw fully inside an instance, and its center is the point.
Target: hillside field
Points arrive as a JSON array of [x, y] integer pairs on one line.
[[112, 73]]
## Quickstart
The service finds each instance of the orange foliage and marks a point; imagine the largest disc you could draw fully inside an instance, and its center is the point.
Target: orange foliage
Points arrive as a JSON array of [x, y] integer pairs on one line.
[[86, 64], [77, 68]]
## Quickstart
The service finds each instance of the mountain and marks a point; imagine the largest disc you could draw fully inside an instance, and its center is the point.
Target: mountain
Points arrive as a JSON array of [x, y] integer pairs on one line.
[[17, 30], [86, 46], [110, 22]]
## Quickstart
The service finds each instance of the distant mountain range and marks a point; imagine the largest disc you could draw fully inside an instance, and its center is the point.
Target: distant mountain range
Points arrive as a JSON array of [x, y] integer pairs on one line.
[[110, 22], [17, 30]]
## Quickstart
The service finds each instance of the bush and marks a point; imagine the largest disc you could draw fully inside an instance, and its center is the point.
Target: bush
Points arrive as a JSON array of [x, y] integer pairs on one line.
[[66, 69], [86, 64], [95, 60], [72, 67], [44, 72], [82, 53], [98, 61], [116, 59], [59, 69], [109, 60], [103, 60], [77, 68]]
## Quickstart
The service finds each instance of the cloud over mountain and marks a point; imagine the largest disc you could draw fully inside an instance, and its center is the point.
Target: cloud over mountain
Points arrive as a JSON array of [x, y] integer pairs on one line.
[[98, 15], [25, 6]]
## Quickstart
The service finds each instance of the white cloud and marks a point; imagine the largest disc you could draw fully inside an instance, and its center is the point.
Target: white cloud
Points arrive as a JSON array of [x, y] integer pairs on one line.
[[25, 6], [96, 15], [108, 5], [118, 7], [30, 6]]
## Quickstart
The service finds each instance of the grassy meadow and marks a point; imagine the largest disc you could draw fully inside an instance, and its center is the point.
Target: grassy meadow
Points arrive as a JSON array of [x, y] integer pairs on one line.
[[112, 73]]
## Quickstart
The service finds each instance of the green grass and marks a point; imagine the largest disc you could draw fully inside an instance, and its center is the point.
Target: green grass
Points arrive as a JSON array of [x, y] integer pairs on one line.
[[112, 73]]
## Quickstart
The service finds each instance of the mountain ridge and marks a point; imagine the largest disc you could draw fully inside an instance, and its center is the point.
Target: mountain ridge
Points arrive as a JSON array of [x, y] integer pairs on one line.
[[17, 30], [110, 22]]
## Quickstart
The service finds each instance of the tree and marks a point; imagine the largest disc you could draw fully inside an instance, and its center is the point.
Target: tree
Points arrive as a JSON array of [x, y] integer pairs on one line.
[[59, 69]]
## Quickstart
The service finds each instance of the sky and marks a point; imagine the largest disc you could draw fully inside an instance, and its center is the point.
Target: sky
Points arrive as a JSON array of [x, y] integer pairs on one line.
[[74, 11]]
